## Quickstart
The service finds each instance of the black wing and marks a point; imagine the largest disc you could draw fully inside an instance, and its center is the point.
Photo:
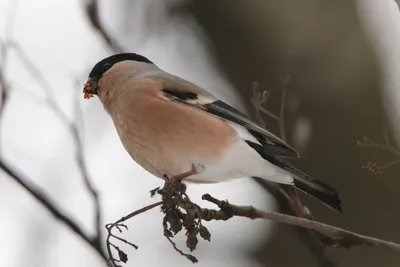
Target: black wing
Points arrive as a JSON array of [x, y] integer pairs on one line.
[[272, 144]]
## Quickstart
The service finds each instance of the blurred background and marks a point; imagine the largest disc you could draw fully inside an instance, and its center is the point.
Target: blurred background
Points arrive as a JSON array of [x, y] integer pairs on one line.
[[342, 60]]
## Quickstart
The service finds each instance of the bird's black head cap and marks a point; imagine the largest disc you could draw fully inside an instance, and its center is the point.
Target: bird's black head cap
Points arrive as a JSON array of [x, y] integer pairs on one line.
[[105, 64], [91, 86]]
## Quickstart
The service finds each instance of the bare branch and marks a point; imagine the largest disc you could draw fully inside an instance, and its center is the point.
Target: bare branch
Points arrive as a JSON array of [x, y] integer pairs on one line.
[[285, 81], [11, 17], [268, 113], [118, 224], [343, 238], [50, 100], [88, 183], [92, 12], [3, 89], [190, 257], [180, 213], [137, 212], [41, 197], [386, 145], [290, 197], [374, 167], [258, 99], [72, 129]]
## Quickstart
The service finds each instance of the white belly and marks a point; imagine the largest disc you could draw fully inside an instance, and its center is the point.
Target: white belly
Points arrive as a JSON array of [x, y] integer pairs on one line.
[[237, 162]]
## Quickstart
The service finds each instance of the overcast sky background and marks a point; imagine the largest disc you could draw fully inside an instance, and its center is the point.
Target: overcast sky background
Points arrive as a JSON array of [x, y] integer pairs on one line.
[[57, 37]]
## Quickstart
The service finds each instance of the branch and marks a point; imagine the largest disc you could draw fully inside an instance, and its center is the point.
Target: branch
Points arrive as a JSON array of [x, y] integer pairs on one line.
[[72, 128], [385, 146], [50, 100], [42, 198], [290, 196], [310, 239], [88, 184], [73, 131], [258, 100], [180, 213], [285, 81], [373, 166], [119, 224], [9, 29], [92, 13], [343, 238], [3, 90]]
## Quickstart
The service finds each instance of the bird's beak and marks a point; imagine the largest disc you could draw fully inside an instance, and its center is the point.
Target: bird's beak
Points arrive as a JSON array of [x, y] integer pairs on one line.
[[90, 88]]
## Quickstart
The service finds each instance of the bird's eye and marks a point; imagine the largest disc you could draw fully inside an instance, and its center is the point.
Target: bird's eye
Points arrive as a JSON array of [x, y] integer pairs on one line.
[[106, 67]]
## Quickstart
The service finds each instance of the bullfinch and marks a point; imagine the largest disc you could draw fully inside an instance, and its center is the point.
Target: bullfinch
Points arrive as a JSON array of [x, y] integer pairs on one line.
[[171, 126]]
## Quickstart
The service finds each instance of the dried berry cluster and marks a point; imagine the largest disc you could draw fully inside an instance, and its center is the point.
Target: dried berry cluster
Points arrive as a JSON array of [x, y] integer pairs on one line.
[[182, 214]]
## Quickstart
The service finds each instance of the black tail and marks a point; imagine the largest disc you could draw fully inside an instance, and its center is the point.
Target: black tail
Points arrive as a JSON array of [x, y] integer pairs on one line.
[[323, 192], [302, 181], [318, 190]]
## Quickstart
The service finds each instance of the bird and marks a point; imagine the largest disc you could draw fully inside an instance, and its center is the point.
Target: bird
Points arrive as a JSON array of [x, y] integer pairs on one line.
[[170, 126]]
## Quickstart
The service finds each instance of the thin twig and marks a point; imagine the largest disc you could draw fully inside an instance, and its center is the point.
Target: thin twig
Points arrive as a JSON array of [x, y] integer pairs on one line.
[[137, 212], [373, 166], [117, 224], [72, 129], [281, 120], [37, 75], [10, 23], [290, 196], [3, 89], [42, 198], [294, 198], [258, 100], [269, 113], [190, 257], [390, 164], [386, 146], [88, 184], [92, 12]]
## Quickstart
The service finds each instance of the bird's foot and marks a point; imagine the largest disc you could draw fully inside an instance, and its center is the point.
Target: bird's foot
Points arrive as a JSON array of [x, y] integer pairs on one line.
[[184, 175]]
